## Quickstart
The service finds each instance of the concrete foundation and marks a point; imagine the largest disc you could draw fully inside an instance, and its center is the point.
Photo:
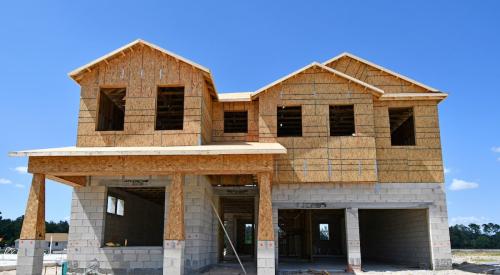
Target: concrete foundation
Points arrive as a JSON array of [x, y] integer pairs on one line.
[[30, 257], [265, 258]]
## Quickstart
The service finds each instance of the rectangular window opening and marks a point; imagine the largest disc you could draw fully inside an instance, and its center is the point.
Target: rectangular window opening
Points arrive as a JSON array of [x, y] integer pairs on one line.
[[289, 121], [111, 115], [402, 126], [170, 108], [135, 216], [236, 122], [324, 232], [342, 120]]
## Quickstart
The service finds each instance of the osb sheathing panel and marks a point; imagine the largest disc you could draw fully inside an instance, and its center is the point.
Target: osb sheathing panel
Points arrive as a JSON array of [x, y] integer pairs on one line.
[[420, 163], [218, 110], [265, 228], [141, 70], [34, 218], [206, 115], [317, 157], [376, 77], [175, 229], [150, 165]]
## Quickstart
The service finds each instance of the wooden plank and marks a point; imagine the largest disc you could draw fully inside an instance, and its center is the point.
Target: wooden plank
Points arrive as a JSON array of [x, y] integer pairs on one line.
[[151, 165], [175, 229], [265, 228], [34, 217]]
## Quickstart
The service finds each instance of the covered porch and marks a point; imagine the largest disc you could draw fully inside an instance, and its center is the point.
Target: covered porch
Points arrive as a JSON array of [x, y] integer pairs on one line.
[[153, 174]]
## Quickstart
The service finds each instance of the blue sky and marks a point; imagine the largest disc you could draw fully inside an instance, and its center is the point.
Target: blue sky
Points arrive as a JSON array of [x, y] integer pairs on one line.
[[451, 45]]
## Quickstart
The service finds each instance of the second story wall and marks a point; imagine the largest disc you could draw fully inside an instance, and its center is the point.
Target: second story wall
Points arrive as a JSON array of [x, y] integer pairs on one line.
[[141, 70], [218, 132], [316, 156], [421, 162]]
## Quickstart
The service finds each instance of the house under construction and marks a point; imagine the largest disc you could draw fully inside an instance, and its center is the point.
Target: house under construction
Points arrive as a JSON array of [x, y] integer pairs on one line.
[[336, 164]]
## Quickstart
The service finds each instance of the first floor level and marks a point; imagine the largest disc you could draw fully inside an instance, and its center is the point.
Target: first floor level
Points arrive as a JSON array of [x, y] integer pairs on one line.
[[118, 226]]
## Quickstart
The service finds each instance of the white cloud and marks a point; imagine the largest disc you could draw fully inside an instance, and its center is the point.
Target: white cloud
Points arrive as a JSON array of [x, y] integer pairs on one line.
[[495, 149], [19, 185], [468, 220], [21, 169], [5, 181], [458, 184], [447, 170]]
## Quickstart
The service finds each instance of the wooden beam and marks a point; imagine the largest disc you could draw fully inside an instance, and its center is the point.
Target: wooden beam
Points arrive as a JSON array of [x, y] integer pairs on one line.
[[265, 228], [174, 229], [34, 218], [150, 165], [74, 181]]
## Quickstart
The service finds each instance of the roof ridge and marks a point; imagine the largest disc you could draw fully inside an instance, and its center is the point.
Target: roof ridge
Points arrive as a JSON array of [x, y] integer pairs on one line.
[[398, 75], [315, 63]]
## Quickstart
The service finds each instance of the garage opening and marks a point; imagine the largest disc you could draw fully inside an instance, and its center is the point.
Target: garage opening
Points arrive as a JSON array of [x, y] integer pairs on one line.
[[311, 239], [394, 238], [134, 216]]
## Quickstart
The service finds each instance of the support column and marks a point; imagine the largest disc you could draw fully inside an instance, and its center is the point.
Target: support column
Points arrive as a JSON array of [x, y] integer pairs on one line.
[[352, 239], [265, 234], [30, 254], [175, 234]]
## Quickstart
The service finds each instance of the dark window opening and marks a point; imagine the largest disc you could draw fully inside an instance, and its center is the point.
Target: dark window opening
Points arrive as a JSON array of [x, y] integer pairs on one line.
[[402, 126], [342, 120], [235, 122], [170, 108], [289, 121], [111, 115], [139, 221]]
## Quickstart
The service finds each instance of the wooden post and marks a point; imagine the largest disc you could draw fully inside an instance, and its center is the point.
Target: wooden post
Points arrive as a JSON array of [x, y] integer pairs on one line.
[[34, 217], [265, 235], [30, 253], [265, 228], [175, 227], [174, 235]]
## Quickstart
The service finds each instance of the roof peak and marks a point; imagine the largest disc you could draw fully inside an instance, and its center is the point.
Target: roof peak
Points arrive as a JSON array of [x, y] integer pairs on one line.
[[73, 74]]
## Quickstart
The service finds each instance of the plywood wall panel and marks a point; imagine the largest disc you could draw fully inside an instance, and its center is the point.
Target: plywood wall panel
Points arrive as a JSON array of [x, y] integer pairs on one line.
[[387, 82], [141, 70]]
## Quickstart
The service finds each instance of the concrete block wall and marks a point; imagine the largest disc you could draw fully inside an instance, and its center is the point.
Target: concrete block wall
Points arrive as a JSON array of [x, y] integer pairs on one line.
[[88, 211], [86, 233], [429, 196], [396, 235], [201, 224]]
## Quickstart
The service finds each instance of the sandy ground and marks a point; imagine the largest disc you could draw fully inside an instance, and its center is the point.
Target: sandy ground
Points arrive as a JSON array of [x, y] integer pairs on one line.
[[464, 262], [46, 271]]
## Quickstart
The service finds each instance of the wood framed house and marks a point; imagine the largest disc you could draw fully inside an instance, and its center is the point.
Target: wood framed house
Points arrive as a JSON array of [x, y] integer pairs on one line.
[[338, 163]]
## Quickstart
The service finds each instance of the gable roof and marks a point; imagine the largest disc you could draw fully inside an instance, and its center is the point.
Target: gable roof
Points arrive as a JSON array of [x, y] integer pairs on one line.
[[374, 90], [73, 74], [346, 54]]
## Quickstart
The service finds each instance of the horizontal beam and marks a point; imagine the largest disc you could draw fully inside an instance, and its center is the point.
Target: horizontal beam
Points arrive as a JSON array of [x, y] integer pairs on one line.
[[74, 181], [150, 165]]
